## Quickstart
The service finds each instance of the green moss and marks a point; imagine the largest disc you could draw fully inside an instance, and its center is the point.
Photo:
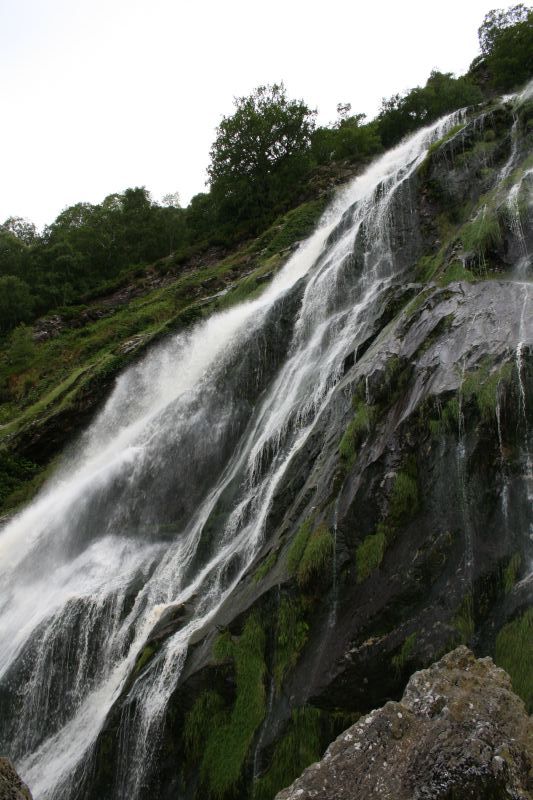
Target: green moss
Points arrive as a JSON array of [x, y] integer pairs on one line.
[[226, 735], [482, 386], [298, 545], [316, 558], [299, 747], [514, 652], [263, 570], [146, 654], [433, 148], [464, 619], [402, 657], [356, 430], [291, 636], [403, 505], [291, 228], [482, 234], [448, 419], [511, 571], [404, 498], [207, 712], [416, 303], [223, 647], [456, 271], [369, 555]]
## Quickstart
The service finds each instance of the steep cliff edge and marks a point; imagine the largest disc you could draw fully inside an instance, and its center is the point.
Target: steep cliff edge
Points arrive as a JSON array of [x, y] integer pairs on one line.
[[458, 731]]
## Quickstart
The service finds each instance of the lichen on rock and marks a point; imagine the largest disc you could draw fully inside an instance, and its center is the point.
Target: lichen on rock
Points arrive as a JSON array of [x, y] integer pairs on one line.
[[458, 732]]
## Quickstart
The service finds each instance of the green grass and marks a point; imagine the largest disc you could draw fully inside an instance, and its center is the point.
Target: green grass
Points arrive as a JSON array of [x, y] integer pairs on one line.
[[514, 652], [291, 636], [264, 568], [355, 432], [208, 712], [511, 572], [296, 750], [316, 558], [482, 234], [404, 502], [403, 505], [369, 555], [456, 271], [464, 619], [482, 385], [400, 660], [218, 737], [448, 419], [298, 545], [40, 380], [295, 225], [310, 554], [144, 657]]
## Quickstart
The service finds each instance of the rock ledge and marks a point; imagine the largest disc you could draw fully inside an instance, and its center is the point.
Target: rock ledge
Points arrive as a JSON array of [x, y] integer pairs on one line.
[[458, 732]]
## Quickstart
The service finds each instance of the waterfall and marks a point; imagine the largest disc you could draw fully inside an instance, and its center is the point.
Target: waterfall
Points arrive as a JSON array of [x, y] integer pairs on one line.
[[166, 497]]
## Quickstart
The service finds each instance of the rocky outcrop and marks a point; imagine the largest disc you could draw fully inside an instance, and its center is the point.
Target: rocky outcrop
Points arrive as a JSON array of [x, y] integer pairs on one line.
[[458, 732], [11, 786]]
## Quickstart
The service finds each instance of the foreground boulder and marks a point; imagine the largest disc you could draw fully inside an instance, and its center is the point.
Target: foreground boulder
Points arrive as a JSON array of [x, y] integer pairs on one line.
[[458, 732], [11, 786]]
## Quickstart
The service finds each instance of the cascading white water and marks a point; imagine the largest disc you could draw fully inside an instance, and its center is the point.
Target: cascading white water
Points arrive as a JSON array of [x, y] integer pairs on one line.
[[89, 568]]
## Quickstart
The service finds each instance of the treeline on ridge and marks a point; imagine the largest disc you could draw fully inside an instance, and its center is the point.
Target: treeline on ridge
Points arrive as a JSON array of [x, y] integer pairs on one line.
[[262, 160]]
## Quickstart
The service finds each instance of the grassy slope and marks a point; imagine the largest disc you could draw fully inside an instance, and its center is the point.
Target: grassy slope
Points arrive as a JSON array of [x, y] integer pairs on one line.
[[62, 378]]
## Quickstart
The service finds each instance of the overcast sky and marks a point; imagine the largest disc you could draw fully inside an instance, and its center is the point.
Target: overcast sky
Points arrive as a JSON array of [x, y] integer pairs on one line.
[[100, 95]]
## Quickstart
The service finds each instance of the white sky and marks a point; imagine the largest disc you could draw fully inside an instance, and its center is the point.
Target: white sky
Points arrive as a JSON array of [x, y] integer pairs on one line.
[[100, 95]]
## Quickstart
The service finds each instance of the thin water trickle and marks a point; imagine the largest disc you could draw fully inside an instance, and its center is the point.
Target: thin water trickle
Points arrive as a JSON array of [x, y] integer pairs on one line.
[[335, 589]]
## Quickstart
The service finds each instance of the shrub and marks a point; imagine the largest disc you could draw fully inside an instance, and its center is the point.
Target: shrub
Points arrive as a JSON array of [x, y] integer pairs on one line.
[[298, 545], [291, 636], [316, 557], [299, 747], [369, 555], [514, 652]]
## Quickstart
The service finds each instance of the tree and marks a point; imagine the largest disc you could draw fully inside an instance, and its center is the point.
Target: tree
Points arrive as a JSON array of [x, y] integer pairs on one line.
[[260, 152], [442, 93], [497, 21], [15, 302], [506, 41], [24, 230]]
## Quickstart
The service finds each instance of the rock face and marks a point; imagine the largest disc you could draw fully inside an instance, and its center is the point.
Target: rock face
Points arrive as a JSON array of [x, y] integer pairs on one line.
[[458, 732], [401, 528], [11, 786]]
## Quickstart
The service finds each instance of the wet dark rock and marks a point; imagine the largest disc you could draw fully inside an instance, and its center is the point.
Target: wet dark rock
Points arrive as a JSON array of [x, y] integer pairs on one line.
[[458, 732], [11, 785]]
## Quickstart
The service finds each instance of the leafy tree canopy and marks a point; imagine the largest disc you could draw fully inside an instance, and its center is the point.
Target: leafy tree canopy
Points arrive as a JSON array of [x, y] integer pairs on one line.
[[506, 41], [259, 150], [498, 20]]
